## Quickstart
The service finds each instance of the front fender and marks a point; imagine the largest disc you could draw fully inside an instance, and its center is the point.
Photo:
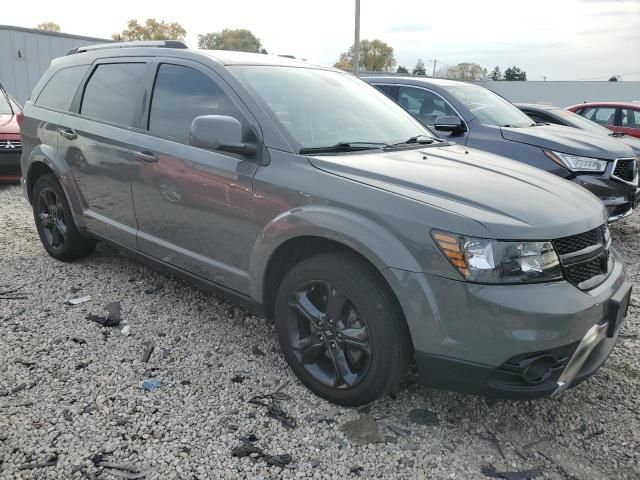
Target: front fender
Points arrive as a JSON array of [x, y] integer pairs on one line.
[[370, 239]]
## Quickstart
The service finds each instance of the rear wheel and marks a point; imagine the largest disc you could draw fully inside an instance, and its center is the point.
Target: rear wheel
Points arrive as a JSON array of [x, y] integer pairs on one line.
[[56, 228], [341, 330]]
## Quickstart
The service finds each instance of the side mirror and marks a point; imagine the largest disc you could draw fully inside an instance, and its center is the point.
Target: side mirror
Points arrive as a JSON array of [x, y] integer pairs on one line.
[[451, 123], [220, 132]]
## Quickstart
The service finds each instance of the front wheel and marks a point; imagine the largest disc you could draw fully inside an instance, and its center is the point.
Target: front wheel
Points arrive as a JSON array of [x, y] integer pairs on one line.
[[341, 330], [56, 228]]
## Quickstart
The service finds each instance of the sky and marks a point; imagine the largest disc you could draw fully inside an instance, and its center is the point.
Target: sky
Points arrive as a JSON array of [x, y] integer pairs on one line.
[[556, 39]]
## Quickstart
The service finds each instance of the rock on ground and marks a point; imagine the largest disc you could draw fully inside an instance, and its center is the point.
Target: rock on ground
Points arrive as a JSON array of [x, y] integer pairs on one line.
[[70, 389]]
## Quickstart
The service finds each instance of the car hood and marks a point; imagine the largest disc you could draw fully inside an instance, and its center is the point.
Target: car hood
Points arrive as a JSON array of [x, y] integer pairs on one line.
[[568, 140], [632, 142], [510, 199], [9, 125]]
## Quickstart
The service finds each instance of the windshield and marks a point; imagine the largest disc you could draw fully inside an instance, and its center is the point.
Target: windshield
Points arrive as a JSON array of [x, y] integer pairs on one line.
[[489, 108], [579, 121], [5, 108], [320, 108]]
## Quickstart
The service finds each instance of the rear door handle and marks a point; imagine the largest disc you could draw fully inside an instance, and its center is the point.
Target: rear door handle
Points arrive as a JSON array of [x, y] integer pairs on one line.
[[146, 156], [67, 133]]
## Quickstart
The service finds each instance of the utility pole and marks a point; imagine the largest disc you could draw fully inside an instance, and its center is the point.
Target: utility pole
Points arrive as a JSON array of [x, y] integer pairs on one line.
[[435, 62], [356, 44]]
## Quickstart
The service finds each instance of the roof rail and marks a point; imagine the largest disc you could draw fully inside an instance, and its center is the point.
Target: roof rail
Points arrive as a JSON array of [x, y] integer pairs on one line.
[[153, 43]]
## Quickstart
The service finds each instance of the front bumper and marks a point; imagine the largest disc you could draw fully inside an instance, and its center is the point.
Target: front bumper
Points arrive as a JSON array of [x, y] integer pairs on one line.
[[619, 198], [10, 167], [507, 341]]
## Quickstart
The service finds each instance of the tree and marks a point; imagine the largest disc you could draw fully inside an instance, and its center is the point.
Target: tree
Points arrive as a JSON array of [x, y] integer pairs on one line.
[[466, 71], [402, 69], [231, 39], [151, 30], [496, 74], [49, 26], [515, 74], [375, 56], [614, 78], [419, 68]]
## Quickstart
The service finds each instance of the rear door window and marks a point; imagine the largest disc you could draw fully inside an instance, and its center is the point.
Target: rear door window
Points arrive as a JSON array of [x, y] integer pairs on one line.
[[114, 92], [61, 88], [181, 94]]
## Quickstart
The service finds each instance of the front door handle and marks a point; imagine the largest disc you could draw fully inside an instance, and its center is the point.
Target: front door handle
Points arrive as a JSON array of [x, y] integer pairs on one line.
[[146, 156], [67, 133]]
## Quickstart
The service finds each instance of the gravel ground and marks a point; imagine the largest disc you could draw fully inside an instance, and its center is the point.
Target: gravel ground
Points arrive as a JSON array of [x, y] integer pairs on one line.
[[71, 395]]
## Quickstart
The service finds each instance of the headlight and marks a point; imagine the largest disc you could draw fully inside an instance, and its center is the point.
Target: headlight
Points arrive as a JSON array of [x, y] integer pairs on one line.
[[483, 260], [577, 164]]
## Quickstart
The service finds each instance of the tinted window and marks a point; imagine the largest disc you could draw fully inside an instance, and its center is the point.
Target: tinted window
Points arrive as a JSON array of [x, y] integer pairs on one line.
[[180, 94], [601, 115], [426, 106], [389, 90], [61, 88], [630, 118], [113, 92]]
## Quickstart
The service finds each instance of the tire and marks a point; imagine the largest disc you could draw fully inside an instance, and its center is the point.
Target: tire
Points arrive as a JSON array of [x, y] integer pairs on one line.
[[54, 222], [341, 330]]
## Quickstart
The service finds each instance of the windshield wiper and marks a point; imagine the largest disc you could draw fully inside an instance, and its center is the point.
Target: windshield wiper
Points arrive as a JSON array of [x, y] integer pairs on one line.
[[6, 96], [344, 147], [617, 134], [418, 139]]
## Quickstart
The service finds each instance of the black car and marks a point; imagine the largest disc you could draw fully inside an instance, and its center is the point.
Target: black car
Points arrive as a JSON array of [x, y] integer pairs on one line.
[[559, 116], [474, 116]]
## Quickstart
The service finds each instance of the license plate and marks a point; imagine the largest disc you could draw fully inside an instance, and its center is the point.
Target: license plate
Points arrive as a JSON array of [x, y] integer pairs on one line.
[[618, 306]]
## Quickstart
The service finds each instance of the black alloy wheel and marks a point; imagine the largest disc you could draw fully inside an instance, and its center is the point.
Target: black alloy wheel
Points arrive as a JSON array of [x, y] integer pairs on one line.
[[341, 329], [329, 334], [56, 227], [51, 218]]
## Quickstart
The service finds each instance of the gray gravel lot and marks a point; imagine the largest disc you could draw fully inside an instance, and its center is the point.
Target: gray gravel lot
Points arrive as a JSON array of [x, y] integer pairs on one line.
[[71, 396]]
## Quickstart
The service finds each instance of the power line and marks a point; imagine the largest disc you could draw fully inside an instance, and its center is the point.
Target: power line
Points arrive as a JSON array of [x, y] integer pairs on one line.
[[607, 76]]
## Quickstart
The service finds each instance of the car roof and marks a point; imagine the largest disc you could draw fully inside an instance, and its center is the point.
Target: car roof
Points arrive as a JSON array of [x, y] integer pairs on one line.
[[179, 49], [634, 105], [441, 82]]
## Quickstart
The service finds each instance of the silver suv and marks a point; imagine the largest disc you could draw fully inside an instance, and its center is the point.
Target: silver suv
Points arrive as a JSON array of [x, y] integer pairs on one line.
[[316, 200]]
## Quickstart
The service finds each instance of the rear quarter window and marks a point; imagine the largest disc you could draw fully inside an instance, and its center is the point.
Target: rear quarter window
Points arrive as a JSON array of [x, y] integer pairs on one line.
[[59, 91]]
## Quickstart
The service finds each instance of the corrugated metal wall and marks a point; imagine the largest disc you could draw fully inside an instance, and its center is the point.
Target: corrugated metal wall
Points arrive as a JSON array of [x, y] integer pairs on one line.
[[25, 55], [564, 94]]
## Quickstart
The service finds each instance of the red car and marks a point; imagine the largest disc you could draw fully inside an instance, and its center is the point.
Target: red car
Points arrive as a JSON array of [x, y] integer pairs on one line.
[[10, 145], [621, 117]]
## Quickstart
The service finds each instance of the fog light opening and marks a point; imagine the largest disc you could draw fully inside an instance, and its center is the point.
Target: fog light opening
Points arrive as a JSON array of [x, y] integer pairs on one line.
[[539, 369]]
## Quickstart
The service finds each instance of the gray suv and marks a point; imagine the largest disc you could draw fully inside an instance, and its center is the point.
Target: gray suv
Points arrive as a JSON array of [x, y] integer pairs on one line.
[[314, 199]]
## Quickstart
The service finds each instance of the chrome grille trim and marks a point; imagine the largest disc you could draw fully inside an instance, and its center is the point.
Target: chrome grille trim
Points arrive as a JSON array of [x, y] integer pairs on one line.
[[633, 182]]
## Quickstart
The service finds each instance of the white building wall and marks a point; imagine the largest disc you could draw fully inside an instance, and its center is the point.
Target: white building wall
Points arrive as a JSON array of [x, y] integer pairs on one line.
[[25, 54], [564, 94]]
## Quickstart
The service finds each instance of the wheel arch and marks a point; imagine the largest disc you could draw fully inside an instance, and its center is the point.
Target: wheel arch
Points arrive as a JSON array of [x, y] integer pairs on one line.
[[305, 232], [44, 160]]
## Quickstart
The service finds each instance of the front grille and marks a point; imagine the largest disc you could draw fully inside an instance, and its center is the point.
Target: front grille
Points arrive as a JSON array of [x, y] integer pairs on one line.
[[9, 170], [575, 243], [10, 146], [584, 271], [625, 169], [585, 257]]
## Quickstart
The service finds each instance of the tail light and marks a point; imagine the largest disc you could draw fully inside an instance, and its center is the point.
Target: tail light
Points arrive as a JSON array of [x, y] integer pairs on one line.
[[19, 118]]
